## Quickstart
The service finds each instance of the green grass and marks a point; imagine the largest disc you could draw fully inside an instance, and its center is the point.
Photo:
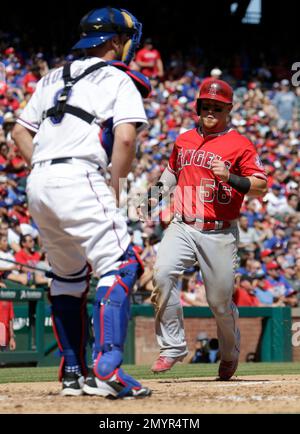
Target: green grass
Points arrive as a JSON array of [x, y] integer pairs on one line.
[[28, 375]]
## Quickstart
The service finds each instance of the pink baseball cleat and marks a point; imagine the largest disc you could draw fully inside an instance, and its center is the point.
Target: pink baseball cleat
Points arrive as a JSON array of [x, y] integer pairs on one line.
[[227, 369], [164, 363]]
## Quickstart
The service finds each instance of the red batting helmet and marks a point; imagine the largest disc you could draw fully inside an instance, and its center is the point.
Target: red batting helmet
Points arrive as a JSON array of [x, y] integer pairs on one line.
[[217, 90]]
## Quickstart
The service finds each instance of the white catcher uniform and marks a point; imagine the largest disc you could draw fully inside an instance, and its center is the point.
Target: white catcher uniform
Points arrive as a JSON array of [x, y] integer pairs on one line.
[[73, 207]]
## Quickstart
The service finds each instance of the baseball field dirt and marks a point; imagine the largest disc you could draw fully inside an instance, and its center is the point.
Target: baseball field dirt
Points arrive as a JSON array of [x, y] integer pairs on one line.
[[244, 394]]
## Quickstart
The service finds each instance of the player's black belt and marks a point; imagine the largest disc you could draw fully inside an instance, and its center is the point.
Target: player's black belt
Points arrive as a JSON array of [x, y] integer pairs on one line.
[[63, 161], [54, 161]]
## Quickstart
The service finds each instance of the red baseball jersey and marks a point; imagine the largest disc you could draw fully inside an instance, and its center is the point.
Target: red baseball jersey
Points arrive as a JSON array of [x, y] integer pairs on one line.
[[199, 192]]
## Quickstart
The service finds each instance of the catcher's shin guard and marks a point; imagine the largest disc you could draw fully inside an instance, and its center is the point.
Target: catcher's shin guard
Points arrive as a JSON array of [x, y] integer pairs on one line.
[[70, 326], [111, 314]]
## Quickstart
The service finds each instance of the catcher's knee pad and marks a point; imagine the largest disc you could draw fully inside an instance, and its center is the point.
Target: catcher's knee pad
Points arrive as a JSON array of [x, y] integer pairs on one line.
[[111, 314], [70, 326]]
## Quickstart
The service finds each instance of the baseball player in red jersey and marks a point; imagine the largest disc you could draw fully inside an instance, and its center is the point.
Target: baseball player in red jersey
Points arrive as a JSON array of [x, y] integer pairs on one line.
[[212, 168]]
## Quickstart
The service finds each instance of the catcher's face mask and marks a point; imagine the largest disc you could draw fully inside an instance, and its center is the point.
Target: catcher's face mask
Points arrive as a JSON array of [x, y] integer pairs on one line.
[[135, 29]]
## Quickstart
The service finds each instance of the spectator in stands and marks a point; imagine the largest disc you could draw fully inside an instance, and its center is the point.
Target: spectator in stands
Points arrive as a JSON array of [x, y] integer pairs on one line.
[[192, 291], [188, 87], [277, 283], [248, 237], [266, 256], [42, 64], [289, 273], [292, 248], [275, 199], [205, 351], [250, 267], [4, 149], [260, 231], [13, 234], [4, 202], [244, 294], [265, 297], [149, 60], [19, 211], [31, 79], [286, 104], [3, 227], [245, 263], [27, 255], [199, 354], [17, 165], [290, 207], [8, 186], [7, 336], [9, 121], [12, 102], [8, 269], [252, 210], [17, 273], [278, 240], [16, 229]]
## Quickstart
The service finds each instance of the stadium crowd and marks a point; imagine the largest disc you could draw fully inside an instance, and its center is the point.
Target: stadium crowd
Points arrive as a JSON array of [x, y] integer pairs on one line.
[[266, 109]]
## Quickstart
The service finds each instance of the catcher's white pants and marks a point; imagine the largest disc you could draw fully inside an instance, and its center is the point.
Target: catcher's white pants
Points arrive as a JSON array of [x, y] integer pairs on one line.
[[78, 220]]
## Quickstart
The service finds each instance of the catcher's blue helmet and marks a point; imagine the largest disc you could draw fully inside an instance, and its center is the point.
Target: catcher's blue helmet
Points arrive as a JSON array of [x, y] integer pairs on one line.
[[100, 25]]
